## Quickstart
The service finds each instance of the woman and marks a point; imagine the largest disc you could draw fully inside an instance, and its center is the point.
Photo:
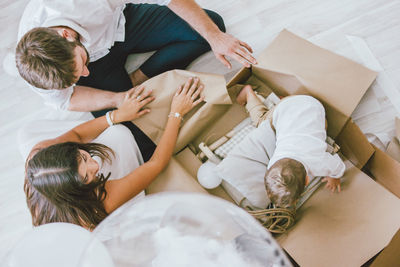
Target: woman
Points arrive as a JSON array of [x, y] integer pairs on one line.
[[65, 183]]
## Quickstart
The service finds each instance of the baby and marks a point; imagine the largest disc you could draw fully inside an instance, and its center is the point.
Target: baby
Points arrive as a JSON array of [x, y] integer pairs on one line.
[[300, 152]]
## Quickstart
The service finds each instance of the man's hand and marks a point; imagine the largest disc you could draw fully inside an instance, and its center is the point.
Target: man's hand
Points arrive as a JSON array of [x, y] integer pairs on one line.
[[224, 44], [332, 184], [132, 106], [121, 96], [221, 43]]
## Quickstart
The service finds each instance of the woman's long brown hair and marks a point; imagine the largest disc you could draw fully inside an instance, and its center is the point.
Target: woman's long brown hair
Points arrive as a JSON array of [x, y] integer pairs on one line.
[[55, 192]]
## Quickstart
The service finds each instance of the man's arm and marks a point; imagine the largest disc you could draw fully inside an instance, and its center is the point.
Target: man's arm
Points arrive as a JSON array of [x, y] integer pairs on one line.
[[130, 109], [90, 99], [221, 43]]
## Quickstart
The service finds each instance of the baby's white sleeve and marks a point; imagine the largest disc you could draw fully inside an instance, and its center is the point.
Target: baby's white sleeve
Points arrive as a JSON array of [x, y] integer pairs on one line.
[[334, 165], [158, 2]]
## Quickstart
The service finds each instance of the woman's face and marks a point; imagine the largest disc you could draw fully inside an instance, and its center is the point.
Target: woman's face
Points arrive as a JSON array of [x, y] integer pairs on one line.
[[88, 167]]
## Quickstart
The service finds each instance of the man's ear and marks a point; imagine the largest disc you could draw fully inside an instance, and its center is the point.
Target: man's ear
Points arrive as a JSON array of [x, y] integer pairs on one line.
[[307, 180], [65, 34]]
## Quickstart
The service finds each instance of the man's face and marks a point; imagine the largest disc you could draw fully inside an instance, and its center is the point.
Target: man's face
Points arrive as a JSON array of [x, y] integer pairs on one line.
[[81, 54], [81, 62]]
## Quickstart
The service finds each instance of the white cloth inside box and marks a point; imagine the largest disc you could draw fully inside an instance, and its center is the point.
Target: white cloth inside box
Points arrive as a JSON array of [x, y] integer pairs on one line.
[[245, 165], [245, 159]]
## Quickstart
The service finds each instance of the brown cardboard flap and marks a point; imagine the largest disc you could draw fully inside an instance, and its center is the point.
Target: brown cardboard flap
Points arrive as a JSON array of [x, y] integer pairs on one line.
[[259, 86], [191, 163], [164, 87], [390, 256], [282, 84], [397, 128], [176, 179], [235, 113], [345, 229], [219, 127], [354, 145], [239, 77], [287, 84], [386, 171], [393, 149], [333, 79]]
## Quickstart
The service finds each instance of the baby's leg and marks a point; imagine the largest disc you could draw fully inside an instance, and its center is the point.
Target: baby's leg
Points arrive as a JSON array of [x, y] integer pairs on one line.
[[256, 109]]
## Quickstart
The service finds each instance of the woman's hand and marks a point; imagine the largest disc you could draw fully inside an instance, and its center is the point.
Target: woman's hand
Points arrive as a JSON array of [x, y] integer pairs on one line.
[[121, 190], [187, 96], [132, 106]]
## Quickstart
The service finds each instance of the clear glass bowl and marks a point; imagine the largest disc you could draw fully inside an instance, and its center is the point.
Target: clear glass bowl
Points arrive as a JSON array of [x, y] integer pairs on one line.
[[187, 229]]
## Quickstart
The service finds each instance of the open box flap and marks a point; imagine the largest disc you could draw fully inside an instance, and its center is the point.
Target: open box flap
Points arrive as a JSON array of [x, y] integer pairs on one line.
[[393, 149], [174, 178], [345, 229], [354, 145], [242, 75], [390, 255], [334, 80], [164, 87], [385, 171], [287, 84], [397, 128]]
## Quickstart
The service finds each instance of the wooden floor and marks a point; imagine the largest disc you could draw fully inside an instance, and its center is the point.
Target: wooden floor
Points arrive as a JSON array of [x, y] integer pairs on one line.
[[367, 31]]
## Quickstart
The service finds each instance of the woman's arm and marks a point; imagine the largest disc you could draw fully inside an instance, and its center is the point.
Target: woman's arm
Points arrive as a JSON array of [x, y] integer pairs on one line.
[[121, 190], [130, 109]]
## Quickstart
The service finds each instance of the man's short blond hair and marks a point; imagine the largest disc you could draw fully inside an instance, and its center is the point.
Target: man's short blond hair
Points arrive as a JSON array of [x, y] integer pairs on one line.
[[45, 59], [285, 181]]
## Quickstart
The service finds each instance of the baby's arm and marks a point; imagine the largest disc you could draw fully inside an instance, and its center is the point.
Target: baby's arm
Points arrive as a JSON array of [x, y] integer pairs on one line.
[[335, 170]]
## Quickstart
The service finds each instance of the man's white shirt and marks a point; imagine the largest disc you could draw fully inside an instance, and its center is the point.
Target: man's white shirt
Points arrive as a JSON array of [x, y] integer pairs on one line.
[[99, 23]]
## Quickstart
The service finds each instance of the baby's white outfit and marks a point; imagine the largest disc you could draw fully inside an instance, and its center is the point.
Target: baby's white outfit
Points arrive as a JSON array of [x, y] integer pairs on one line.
[[299, 122], [297, 131]]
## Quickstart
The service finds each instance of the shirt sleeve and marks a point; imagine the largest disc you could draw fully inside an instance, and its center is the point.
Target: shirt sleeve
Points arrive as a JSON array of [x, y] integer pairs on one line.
[[158, 2], [334, 166], [57, 99]]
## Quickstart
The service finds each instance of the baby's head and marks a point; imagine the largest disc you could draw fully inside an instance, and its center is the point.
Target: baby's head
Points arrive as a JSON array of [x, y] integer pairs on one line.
[[285, 181]]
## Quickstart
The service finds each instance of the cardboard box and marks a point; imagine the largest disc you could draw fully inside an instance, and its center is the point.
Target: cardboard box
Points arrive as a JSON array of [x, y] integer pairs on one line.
[[345, 229]]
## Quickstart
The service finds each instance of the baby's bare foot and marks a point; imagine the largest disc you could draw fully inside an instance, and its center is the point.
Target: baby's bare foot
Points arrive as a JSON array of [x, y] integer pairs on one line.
[[241, 98]]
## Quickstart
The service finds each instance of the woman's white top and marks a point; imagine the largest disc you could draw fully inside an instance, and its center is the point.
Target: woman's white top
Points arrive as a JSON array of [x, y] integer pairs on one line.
[[117, 137]]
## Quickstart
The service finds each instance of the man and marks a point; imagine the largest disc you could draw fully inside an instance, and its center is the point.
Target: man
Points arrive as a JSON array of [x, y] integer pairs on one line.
[[73, 52]]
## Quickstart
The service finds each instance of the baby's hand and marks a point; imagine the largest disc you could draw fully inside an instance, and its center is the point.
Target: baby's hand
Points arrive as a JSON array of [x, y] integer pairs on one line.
[[332, 184]]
